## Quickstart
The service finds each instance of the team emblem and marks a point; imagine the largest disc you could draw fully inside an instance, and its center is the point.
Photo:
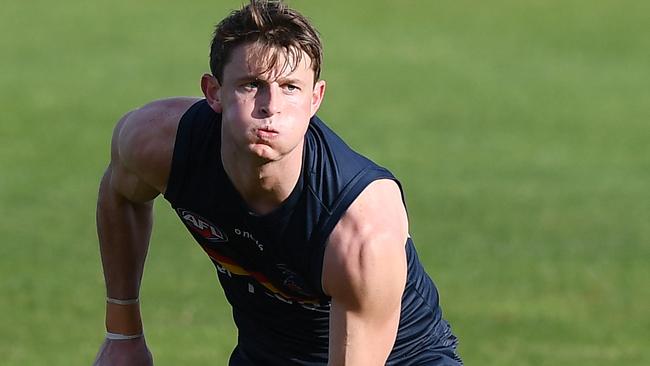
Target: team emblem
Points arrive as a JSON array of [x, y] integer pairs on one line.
[[202, 227]]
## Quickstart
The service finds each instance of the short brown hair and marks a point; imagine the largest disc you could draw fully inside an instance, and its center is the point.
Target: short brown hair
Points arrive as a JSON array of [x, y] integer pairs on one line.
[[274, 28]]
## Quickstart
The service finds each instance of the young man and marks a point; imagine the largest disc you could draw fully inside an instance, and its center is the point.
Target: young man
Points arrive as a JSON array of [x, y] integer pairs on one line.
[[309, 239]]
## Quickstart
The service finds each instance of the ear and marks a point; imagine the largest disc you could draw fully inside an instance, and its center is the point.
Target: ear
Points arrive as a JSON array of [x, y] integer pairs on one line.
[[211, 90], [317, 96]]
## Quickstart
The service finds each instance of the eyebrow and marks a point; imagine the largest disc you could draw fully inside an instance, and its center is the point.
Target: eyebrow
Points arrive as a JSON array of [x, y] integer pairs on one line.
[[248, 78], [289, 81], [281, 80]]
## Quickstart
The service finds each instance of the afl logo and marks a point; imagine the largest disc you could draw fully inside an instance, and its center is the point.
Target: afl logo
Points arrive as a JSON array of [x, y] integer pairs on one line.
[[202, 227]]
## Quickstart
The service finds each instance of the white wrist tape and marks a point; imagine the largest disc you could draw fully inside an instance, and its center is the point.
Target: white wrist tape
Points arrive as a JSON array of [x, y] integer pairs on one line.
[[122, 337], [110, 300]]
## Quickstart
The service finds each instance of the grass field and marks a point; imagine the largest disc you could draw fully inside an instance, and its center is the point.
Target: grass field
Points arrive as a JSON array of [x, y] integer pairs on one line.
[[520, 130]]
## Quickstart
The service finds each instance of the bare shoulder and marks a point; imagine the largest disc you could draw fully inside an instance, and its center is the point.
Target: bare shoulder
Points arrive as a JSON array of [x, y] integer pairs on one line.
[[368, 242], [143, 140]]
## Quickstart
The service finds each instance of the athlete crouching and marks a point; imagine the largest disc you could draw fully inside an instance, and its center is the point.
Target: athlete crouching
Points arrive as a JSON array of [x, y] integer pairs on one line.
[[309, 238]]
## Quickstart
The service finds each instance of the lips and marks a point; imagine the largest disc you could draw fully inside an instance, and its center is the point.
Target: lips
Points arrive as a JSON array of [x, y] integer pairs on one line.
[[266, 133]]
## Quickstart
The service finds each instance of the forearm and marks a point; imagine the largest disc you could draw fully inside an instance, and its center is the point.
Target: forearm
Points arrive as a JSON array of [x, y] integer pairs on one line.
[[356, 339], [124, 229]]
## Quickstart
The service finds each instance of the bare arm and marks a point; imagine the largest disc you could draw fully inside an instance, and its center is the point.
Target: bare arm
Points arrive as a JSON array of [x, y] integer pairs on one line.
[[124, 221], [141, 152], [364, 271]]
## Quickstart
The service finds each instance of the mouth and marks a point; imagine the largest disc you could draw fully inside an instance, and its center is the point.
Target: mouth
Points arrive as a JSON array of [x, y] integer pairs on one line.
[[267, 133]]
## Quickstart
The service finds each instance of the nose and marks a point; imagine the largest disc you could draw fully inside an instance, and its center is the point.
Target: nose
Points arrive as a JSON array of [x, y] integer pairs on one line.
[[271, 100]]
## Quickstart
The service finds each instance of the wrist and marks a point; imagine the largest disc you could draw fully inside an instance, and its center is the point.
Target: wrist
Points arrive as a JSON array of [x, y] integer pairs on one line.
[[123, 337], [123, 318], [111, 300]]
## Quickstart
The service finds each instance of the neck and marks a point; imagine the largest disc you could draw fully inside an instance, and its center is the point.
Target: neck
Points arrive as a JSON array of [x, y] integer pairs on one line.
[[263, 184]]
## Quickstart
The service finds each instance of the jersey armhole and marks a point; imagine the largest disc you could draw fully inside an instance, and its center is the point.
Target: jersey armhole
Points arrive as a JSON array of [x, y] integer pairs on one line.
[[181, 151], [349, 194]]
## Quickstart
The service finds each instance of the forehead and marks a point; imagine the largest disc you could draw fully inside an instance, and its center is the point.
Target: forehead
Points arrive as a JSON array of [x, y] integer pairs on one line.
[[269, 63]]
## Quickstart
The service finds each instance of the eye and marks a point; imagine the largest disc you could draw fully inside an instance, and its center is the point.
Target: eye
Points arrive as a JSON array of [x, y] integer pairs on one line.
[[251, 85], [291, 88]]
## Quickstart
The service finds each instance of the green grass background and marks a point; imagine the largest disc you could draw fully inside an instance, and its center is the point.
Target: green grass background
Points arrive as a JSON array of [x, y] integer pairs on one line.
[[520, 130]]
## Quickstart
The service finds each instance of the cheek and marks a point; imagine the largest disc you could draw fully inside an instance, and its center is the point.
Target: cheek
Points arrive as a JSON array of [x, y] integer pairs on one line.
[[236, 125], [299, 128], [233, 115], [301, 102], [300, 106], [237, 113], [237, 103]]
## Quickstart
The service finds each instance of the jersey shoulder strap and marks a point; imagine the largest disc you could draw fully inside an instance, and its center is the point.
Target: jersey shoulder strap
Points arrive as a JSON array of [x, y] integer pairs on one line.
[[198, 135], [337, 175]]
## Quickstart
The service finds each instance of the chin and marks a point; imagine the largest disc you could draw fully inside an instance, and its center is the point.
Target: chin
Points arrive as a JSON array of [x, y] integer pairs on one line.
[[264, 152]]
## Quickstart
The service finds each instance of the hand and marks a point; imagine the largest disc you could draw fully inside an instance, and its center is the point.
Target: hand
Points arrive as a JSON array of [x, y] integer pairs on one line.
[[132, 352]]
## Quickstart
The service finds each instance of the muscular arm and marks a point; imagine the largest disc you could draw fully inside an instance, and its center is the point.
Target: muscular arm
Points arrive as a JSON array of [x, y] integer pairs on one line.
[[141, 151], [124, 221], [364, 271]]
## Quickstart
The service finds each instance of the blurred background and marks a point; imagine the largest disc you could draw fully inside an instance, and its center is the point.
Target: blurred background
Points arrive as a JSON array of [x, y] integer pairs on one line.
[[519, 129]]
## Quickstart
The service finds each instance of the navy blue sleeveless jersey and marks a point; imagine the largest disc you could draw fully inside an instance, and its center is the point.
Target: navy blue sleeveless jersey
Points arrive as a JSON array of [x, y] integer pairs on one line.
[[270, 266]]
